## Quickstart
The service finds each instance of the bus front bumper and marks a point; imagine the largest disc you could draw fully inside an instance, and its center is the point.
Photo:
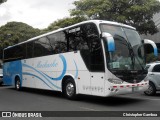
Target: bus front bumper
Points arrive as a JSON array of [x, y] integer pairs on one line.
[[128, 88]]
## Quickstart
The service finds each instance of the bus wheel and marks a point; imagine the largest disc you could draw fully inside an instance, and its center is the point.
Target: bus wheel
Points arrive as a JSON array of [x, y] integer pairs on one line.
[[70, 89], [17, 84]]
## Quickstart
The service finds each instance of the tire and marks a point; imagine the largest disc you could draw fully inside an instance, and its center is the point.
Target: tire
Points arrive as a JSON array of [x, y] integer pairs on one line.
[[151, 90], [70, 89], [18, 84]]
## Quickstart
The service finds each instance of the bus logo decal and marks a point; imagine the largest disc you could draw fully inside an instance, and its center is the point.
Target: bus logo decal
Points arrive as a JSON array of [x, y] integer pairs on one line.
[[64, 68], [46, 64], [48, 78], [63, 71], [43, 74]]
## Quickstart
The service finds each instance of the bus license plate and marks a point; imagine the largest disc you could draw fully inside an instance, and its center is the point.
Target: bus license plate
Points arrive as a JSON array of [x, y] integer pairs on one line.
[[134, 89]]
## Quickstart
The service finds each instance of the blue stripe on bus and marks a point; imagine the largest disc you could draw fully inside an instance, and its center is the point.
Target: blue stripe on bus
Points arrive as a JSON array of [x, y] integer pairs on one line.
[[50, 78], [63, 71], [58, 78], [25, 73], [44, 75], [155, 51], [11, 70]]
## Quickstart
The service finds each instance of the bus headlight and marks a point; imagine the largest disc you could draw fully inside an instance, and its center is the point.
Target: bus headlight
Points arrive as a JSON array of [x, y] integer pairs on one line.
[[115, 81]]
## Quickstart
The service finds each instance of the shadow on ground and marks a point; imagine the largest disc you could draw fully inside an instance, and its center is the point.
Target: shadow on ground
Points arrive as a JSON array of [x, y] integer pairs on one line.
[[105, 101]]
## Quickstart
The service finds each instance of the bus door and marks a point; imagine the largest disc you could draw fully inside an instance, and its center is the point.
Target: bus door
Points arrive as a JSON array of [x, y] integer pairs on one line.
[[97, 68], [97, 83]]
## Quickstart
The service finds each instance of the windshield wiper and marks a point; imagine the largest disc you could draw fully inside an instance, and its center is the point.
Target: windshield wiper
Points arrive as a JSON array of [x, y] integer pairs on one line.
[[133, 56], [131, 52]]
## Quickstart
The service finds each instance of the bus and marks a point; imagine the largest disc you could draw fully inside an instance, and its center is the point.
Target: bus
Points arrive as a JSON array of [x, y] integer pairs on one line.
[[95, 57]]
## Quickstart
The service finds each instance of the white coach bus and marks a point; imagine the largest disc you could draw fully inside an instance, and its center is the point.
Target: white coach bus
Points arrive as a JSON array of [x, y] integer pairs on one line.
[[94, 57]]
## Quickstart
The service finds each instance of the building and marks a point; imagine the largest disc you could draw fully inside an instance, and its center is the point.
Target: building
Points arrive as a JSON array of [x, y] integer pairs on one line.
[[156, 19]]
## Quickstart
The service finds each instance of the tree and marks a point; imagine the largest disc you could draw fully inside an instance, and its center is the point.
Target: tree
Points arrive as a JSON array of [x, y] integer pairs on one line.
[[137, 13], [151, 58], [2, 1], [61, 23], [15, 32]]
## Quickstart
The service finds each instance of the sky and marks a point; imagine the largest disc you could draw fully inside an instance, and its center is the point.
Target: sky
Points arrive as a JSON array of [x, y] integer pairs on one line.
[[36, 13]]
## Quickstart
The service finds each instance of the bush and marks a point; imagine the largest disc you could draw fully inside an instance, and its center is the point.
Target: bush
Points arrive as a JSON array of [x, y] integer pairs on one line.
[[151, 58]]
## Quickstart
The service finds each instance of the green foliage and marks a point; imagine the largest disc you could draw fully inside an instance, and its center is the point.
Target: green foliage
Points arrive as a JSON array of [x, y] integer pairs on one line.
[[151, 58], [137, 13], [15, 32], [61, 23]]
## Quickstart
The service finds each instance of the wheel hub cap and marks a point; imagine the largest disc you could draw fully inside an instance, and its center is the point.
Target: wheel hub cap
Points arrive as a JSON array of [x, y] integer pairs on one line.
[[70, 89]]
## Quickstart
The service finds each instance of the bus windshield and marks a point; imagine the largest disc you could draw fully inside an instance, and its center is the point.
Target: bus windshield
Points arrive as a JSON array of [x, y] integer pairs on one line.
[[129, 53]]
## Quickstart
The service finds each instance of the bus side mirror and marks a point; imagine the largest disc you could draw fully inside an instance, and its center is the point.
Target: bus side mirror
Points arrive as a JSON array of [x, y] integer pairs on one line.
[[146, 41], [110, 41]]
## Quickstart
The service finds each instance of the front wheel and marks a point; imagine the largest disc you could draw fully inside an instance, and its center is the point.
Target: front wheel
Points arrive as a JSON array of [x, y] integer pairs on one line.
[[17, 84], [151, 90], [70, 89]]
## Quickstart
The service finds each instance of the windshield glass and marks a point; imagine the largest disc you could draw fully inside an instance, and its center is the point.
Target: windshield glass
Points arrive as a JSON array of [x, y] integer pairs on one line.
[[129, 53]]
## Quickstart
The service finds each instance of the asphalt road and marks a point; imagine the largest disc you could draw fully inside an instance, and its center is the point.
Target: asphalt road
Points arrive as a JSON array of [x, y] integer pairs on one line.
[[42, 100]]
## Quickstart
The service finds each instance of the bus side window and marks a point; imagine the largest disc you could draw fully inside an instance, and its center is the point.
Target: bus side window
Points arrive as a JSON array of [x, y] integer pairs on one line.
[[29, 53], [53, 39], [62, 43], [58, 42], [22, 54], [96, 52], [93, 55], [15, 53], [42, 47]]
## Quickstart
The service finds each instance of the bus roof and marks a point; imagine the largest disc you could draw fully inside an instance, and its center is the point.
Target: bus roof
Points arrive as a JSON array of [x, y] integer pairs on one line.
[[97, 22]]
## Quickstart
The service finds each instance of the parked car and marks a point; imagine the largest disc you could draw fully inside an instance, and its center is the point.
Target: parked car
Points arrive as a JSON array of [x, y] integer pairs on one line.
[[154, 78]]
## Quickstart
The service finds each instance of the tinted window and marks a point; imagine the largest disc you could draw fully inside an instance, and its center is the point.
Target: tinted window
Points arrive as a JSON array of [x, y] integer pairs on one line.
[[29, 49], [97, 60], [22, 52], [58, 42], [15, 53], [75, 39], [156, 68], [96, 53], [1, 66], [8, 54], [62, 42], [42, 47], [86, 39]]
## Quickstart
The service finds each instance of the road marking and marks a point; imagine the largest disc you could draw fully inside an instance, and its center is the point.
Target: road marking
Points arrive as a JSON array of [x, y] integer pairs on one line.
[[90, 109]]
